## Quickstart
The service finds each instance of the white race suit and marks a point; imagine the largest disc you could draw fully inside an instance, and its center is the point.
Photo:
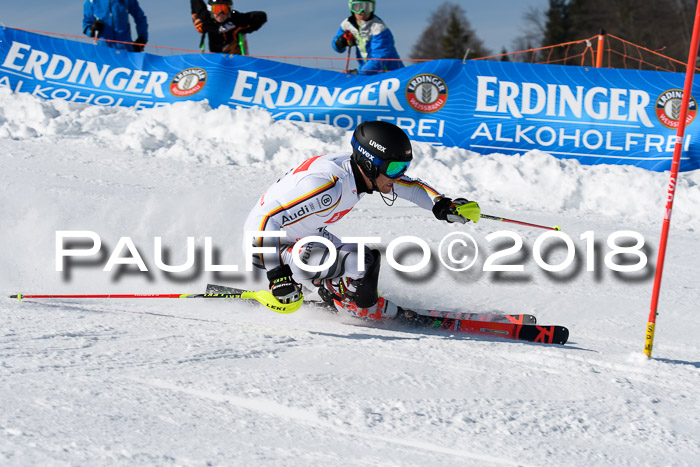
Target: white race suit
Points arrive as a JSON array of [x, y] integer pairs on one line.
[[304, 202]]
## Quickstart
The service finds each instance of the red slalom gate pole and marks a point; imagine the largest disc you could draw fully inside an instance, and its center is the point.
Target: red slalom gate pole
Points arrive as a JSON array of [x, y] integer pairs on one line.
[[675, 165]]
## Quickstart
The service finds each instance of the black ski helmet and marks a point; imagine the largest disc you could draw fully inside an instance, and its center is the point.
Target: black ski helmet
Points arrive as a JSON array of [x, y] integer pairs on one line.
[[381, 148], [220, 2]]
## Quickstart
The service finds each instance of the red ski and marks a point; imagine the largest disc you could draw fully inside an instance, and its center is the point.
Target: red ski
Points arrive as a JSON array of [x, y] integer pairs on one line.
[[516, 330]]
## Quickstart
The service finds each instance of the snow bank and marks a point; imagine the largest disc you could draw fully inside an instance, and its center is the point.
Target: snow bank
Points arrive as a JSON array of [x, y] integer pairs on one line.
[[193, 132]]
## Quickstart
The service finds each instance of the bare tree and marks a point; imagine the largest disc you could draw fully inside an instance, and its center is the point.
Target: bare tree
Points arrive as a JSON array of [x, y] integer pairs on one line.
[[448, 35], [532, 33]]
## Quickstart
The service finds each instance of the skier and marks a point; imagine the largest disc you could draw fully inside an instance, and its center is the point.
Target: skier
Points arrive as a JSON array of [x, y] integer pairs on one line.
[[110, 20], [224, 25], [370, 35], [318, 193]]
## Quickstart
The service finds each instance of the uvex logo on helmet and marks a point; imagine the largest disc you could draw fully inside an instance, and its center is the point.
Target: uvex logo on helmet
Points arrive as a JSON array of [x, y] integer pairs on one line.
[[377, 145]]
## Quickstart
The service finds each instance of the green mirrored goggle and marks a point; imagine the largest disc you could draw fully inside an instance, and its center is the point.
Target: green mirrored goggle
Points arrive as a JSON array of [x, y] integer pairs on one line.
[[362, 7], [395, 169]]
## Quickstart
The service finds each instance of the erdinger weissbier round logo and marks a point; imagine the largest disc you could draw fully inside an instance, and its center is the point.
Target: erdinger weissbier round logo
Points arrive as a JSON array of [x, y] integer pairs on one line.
[[426, 93], [188, 82], [668, 108]]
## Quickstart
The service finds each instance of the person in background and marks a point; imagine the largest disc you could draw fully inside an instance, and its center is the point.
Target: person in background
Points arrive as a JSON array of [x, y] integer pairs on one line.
[[109, 19], [366, 31], [224, 25]]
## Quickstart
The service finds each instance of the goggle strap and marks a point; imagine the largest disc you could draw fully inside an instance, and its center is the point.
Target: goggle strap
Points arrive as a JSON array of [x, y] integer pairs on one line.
[[377, 162], [356, 145]]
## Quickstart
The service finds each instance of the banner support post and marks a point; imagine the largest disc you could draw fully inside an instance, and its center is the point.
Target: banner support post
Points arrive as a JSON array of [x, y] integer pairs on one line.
[[599, 49]]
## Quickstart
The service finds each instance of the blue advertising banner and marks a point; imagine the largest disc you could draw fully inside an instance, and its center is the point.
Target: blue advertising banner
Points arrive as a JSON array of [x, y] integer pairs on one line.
[[598, 116]]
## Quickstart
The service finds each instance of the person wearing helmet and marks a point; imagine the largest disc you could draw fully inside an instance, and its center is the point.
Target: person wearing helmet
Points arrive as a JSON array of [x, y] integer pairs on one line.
[[104, 19], [372, 39], [224, 25], [320, 192]]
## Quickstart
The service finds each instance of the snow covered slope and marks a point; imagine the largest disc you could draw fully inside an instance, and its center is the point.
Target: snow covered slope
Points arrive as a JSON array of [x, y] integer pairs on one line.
[[193, 382]]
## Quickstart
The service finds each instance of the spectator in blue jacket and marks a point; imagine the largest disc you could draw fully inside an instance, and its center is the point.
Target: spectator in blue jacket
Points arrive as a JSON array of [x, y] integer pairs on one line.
[[366, 31], [109, 19]]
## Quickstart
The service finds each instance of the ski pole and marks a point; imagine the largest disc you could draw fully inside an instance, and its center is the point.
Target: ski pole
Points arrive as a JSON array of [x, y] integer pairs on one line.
[[347, 35], [264, 297], [241, 43], [347, 60], [503, 219]]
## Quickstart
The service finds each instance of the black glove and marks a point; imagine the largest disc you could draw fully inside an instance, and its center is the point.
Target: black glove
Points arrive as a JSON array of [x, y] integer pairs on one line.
[[340, 43], [457, 210], [139, 40], [442, 208], [346, 40], [282, 285], [96, 27]]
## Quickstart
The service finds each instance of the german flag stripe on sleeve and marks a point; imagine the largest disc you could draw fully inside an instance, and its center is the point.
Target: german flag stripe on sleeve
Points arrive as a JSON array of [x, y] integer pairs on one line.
[[418, 183]]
